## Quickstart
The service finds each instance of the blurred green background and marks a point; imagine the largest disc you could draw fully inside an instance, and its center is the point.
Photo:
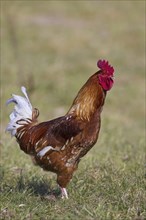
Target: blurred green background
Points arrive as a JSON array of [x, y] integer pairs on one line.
[[52, 47]]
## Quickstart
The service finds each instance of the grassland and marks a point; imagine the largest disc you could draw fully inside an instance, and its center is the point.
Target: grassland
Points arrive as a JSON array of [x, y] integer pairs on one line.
[[51, 47]]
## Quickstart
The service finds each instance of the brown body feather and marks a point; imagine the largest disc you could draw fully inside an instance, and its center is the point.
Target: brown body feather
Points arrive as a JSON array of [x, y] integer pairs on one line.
[[67, 139]]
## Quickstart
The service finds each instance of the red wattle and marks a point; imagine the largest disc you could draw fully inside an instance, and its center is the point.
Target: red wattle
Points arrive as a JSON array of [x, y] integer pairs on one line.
[[106, 82]]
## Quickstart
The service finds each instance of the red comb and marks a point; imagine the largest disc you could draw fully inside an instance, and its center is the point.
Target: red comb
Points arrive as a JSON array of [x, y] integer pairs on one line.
[[105, 67]]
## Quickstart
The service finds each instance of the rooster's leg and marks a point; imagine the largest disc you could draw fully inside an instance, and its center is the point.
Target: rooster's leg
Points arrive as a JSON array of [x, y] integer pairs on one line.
[[63, 193]]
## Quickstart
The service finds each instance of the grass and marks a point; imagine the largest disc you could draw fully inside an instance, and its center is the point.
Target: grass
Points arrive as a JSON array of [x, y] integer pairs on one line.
[[52, 47]]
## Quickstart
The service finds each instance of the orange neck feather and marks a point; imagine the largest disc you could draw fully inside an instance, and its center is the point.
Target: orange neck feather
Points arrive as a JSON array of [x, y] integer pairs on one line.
[[90, 98]]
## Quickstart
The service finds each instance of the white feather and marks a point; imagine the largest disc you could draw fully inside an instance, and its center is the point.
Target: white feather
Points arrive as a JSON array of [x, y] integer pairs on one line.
[[23, 89], [42, 152], [22, 111]]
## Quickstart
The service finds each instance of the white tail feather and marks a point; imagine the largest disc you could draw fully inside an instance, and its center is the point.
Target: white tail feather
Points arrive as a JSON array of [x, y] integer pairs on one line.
[[22, 111]]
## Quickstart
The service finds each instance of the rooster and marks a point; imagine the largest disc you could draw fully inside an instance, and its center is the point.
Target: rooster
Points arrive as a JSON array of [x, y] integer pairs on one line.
[[59, 144]]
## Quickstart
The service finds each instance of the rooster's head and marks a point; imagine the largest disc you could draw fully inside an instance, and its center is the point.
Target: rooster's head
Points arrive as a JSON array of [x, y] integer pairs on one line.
[[105, 74]]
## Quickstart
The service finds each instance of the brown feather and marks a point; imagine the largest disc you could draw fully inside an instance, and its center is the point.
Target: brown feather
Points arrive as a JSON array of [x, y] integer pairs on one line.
[[59, 144]]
